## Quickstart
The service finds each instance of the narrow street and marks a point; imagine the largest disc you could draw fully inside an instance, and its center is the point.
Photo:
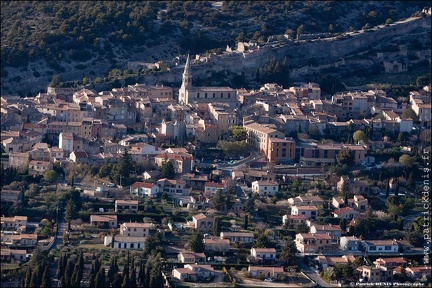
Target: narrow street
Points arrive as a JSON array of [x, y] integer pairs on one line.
[[61, 229], [312, 275]]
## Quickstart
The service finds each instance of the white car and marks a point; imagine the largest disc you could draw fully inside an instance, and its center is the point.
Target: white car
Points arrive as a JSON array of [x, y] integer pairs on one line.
[[268, 280]]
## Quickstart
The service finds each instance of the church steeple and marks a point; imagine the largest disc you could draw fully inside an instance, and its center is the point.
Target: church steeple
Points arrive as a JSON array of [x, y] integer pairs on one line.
[[187, 76]]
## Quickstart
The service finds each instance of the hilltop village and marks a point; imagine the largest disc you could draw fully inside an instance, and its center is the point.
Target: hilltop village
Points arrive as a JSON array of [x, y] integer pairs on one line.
[[148, 186]]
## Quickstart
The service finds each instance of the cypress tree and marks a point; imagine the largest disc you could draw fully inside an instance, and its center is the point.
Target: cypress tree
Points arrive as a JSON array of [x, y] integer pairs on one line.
[[81, 260], [156, 279], [216, 226], [117, 280], [113, 269], [141, 275], [97, 266], [75, 276], [62, 282], [61, 266], [396, 193], [46, 278], [388, 188], [28, 276], [100, 278], [133, 279], [246, 222], [91, 283], [34, 282], [69, 272], [125, 283]]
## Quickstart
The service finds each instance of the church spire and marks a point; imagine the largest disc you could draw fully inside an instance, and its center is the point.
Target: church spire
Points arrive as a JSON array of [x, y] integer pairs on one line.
[[187, 66], [187, 76]]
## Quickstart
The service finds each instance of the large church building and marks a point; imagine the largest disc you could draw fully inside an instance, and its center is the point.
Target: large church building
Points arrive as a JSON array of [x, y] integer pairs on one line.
[[196, 95]]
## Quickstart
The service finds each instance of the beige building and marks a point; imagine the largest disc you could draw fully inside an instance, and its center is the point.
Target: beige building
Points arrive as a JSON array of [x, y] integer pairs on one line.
[[135, 229], [259, 136], [223, 116], [241, 237], [281, 149], [104, 221], [293, 221], [203, 222], [313, 243], [13, 223], [131, 205], [39, 167], [263, 254], [373, 274], [263, 271], [310, 212]]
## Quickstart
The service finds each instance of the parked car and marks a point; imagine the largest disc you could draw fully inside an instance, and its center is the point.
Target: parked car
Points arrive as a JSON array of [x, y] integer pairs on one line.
[[268, 280]]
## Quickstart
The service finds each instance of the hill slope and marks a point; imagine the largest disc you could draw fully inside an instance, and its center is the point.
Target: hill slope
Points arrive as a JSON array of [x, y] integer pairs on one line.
[[86, 39]]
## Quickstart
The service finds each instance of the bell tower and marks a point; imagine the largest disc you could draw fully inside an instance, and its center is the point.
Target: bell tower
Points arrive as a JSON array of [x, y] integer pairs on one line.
[[186, 82]]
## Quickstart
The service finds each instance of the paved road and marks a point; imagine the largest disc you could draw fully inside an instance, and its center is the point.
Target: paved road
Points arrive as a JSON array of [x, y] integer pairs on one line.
[[61, 229], [251, 283], [312, 275]]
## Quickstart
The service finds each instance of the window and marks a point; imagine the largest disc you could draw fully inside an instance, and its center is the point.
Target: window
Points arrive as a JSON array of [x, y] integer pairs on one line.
[[229, 95], [205, 95], [197, 95], [221, 95], [372, 248]]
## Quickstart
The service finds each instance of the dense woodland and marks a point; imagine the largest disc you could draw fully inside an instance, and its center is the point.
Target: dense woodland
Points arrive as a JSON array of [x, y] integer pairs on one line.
[[81, 30]]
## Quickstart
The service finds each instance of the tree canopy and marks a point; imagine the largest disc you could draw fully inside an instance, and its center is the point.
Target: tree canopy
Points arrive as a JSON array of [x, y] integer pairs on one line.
[[359, 135], [239, 133], [345, 157]]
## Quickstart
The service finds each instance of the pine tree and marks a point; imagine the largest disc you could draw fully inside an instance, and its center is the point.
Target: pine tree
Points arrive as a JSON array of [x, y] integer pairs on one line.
[[288, 254], [196, 243], [167, 169], [121, 171], [218, 201], [46, 278]]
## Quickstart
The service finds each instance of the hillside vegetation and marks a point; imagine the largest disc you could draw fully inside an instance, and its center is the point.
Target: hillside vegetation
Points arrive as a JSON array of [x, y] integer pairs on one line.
[[63, 33]]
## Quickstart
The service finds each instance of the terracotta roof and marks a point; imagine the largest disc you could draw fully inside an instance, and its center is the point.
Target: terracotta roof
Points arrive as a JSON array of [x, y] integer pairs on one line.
[[142, 185], [103, 218], [264, 250], [344, 210], [307, 208], [130, 202]]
